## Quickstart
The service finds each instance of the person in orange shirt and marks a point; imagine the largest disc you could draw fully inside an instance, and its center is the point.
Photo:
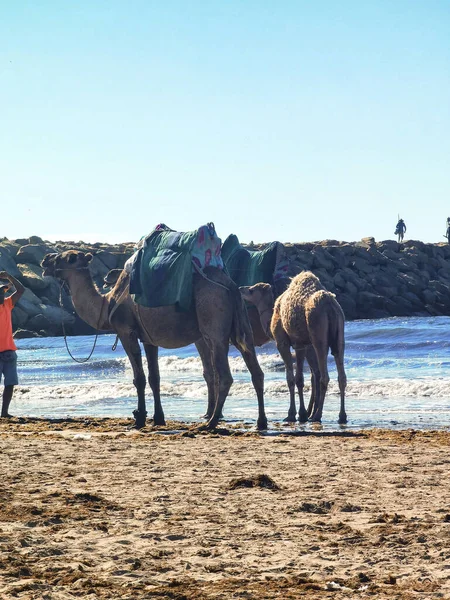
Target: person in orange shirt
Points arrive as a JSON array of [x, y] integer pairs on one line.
[[8, 356]]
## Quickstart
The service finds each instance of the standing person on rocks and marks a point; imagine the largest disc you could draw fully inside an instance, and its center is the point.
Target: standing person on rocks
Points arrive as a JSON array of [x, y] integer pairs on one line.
[[8, 356], [400, 230], [447, 230]]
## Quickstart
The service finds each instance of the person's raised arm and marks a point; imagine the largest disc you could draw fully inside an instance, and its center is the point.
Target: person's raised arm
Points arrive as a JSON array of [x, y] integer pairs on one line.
[[19, 287]]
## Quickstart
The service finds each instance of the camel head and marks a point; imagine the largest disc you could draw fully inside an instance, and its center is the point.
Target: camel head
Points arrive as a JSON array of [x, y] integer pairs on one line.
[[60, 264], [261, 296]]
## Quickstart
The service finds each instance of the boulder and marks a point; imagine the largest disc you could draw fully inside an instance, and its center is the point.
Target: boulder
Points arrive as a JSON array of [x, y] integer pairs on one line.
[[404, 306], [351, 289], [428, 296], [33, 253], [382, 279], [323, 259], [39, 323], [388, 245], [7, 263], [361, 266], [98, 271], [339, 281], [414, 299], [28, 307], [19, 317], [304, 259], [35, 239], [30, 297], [108, 259], [12, 247], [368, 301], [21, 334], [348, 305], [391, 255], [29, 303], [31, 276], [368, 241], [56, 315]]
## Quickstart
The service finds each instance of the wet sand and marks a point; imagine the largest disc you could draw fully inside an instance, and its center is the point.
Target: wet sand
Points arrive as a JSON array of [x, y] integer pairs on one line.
[[91, 509]]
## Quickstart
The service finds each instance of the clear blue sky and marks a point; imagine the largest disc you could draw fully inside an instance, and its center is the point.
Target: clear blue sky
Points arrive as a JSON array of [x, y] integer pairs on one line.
[[281, 120]]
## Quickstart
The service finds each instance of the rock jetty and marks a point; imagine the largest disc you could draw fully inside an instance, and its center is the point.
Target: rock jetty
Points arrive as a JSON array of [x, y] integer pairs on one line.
[[370, 279], [45, 308]]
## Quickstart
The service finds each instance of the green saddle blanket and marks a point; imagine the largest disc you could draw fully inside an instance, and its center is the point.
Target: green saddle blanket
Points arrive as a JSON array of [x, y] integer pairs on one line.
[[161, 271], [247, 267]]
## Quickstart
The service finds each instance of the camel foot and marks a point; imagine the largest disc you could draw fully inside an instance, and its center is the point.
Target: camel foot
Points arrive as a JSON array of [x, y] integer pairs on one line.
[[208, 417], [159, 420], [262, 423], [139, 419], [342, 419], [290, 419], [199, 428], [7, 416], [303, 417], [316, 418]]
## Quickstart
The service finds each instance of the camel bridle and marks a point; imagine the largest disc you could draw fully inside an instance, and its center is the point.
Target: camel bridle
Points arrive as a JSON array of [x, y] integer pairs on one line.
[[78, 360]]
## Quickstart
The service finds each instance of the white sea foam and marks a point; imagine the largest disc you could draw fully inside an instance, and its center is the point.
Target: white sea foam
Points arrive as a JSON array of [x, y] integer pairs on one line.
[[194, 364], [91, 392]]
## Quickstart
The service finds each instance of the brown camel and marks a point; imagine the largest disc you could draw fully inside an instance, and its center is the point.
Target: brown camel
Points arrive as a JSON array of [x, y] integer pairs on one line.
[[304, 316], [217, 315]]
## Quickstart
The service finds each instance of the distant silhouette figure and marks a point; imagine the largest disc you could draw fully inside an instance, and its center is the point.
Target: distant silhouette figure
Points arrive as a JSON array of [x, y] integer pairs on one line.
[[400, 230], [447, 230]]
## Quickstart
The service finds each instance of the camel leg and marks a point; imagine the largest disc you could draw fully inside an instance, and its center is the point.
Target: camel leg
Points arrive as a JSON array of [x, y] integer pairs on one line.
[[342, 379], [208, 375], [321, 349], [249, 356], [300, 382], [284, 348], [131, 346], [151, 353], [315, 379], [222, 378]]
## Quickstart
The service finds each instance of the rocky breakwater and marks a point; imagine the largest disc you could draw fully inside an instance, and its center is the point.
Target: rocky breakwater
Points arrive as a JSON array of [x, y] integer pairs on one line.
[[379, 279], [45, 308], [370, 279]]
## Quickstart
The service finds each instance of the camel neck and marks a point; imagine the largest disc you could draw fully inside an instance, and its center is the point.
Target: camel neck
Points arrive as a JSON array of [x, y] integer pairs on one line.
[[91, 306]]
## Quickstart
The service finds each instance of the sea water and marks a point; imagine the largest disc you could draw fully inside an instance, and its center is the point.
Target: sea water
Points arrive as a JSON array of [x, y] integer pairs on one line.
[[398, 373]]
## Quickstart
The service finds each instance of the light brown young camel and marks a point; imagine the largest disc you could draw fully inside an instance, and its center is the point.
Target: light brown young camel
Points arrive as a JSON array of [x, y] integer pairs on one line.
[[217, 315], [261, 337], [304, 315]]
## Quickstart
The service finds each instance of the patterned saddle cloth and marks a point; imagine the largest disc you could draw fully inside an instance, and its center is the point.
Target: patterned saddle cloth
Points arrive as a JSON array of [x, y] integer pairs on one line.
[[162, 267]]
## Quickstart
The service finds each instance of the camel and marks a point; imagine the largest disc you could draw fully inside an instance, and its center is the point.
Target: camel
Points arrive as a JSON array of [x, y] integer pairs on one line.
[[305, 316], [217, 315], [261, 337]]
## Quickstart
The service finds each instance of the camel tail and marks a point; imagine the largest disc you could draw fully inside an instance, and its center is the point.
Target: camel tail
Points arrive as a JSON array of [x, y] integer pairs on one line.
[[241, 330]]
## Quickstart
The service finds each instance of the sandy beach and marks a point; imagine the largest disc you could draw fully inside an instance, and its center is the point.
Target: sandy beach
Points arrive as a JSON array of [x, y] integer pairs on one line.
[[92, 509]]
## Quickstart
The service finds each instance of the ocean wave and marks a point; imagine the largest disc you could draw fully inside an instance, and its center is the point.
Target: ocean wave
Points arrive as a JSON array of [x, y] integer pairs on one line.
[[93, 392]]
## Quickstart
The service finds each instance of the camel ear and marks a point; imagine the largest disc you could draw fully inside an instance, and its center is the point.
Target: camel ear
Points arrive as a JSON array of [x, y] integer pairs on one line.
[[88, 257], [47, 257]]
